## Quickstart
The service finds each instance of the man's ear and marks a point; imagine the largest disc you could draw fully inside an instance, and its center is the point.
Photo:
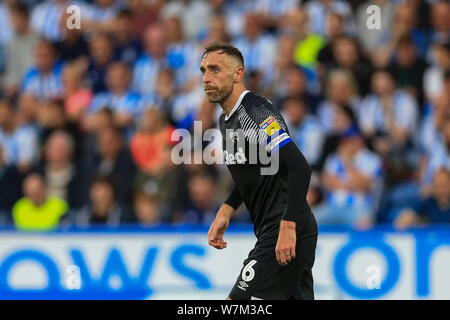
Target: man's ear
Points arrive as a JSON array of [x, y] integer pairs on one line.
[[238, 74]]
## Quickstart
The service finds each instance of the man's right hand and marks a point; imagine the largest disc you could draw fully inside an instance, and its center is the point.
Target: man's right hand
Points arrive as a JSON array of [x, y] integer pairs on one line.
[[218, 227]]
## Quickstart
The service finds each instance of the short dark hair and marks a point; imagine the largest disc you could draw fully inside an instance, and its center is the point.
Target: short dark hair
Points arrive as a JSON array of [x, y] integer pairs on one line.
[[226, 48]]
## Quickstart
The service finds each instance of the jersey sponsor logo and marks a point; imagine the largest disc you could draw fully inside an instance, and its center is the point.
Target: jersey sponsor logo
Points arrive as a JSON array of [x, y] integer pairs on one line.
[[277, 141], [234, 136], [234, 158], [270, 126]]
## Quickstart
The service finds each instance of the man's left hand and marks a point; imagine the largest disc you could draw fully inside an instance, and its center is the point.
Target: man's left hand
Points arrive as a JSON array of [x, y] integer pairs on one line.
[[285, 249]]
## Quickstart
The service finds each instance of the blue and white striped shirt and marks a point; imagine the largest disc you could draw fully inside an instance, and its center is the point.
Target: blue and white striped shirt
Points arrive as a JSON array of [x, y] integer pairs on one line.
[[276, 8], [45, 19], [20, 146], [259, 55], [128, 102], [404, 107], [309, 137], [368, 164], [428, 136], [326, 113], [145, 73], [44, 86], [439, 158], [318, 12], [185, 59]]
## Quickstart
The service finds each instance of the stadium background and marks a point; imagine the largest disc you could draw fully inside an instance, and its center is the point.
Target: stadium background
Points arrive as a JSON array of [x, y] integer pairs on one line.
[[92, 205]]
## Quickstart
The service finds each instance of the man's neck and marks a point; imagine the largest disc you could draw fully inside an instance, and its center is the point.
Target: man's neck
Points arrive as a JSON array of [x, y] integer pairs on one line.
[[230, 102]]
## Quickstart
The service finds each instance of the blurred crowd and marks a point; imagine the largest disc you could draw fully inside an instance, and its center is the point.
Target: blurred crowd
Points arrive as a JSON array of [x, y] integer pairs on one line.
[[87, 114]]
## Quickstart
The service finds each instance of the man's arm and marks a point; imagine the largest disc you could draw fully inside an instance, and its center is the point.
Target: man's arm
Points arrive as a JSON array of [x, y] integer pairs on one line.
[[220, 223], [298, 178]]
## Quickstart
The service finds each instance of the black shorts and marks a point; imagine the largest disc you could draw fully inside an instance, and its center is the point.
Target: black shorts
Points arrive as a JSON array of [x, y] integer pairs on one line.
[[262, 277]]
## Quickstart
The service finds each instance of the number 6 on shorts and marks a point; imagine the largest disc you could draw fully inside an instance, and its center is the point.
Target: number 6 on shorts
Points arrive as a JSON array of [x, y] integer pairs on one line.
[[248, 273]]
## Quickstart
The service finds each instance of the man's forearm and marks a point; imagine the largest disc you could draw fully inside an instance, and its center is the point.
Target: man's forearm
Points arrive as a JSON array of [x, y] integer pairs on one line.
[[226, 211]]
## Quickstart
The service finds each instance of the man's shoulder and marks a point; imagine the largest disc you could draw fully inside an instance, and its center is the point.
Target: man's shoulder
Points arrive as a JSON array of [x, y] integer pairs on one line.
[[258, 107]]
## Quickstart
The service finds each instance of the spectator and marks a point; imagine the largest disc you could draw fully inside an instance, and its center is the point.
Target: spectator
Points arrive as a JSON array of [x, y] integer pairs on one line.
[[344, 119], [439, 157], [119, 97], [20, 141], [203, 204], [52, 118], [347, 55], [61, 175], [100, 56], [72, 44], [104, 207], [77, 98], [153, 59], [45, 18], [192, 14], [37, 210], [258, 49], [434, 75], [283, 61], [335, 30], [440, 21], [183, 55], [99, 14], [273, 11], [296, 86], [341, 91], [351, 180], [127, 48], [432, 125], [435, 209], [217, 30], [111, 157], [146, 209], [388, 117], [10, 188], [308, 42], [317, 11], [19, 51], [305, 130], [144, 14], [408, 68], [148, 144], [44, 79]]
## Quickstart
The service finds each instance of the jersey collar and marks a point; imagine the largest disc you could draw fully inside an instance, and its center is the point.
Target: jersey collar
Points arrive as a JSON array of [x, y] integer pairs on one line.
[[238, 103]]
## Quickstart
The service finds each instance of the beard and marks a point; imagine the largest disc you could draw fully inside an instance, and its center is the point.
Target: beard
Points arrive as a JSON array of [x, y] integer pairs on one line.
[[219, 95]]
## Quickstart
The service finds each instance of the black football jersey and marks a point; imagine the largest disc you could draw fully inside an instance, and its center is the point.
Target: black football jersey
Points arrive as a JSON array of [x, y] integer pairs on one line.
[[251, 136]]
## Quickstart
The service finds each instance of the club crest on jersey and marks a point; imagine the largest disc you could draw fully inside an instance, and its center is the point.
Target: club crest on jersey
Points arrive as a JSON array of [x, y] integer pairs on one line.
[[270, 126]]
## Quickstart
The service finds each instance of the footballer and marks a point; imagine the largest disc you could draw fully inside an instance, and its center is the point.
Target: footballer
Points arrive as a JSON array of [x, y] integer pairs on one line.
[[280, 265]]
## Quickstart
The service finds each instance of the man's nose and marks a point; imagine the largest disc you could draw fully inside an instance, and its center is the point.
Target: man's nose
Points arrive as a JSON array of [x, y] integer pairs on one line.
[[206, 79]]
